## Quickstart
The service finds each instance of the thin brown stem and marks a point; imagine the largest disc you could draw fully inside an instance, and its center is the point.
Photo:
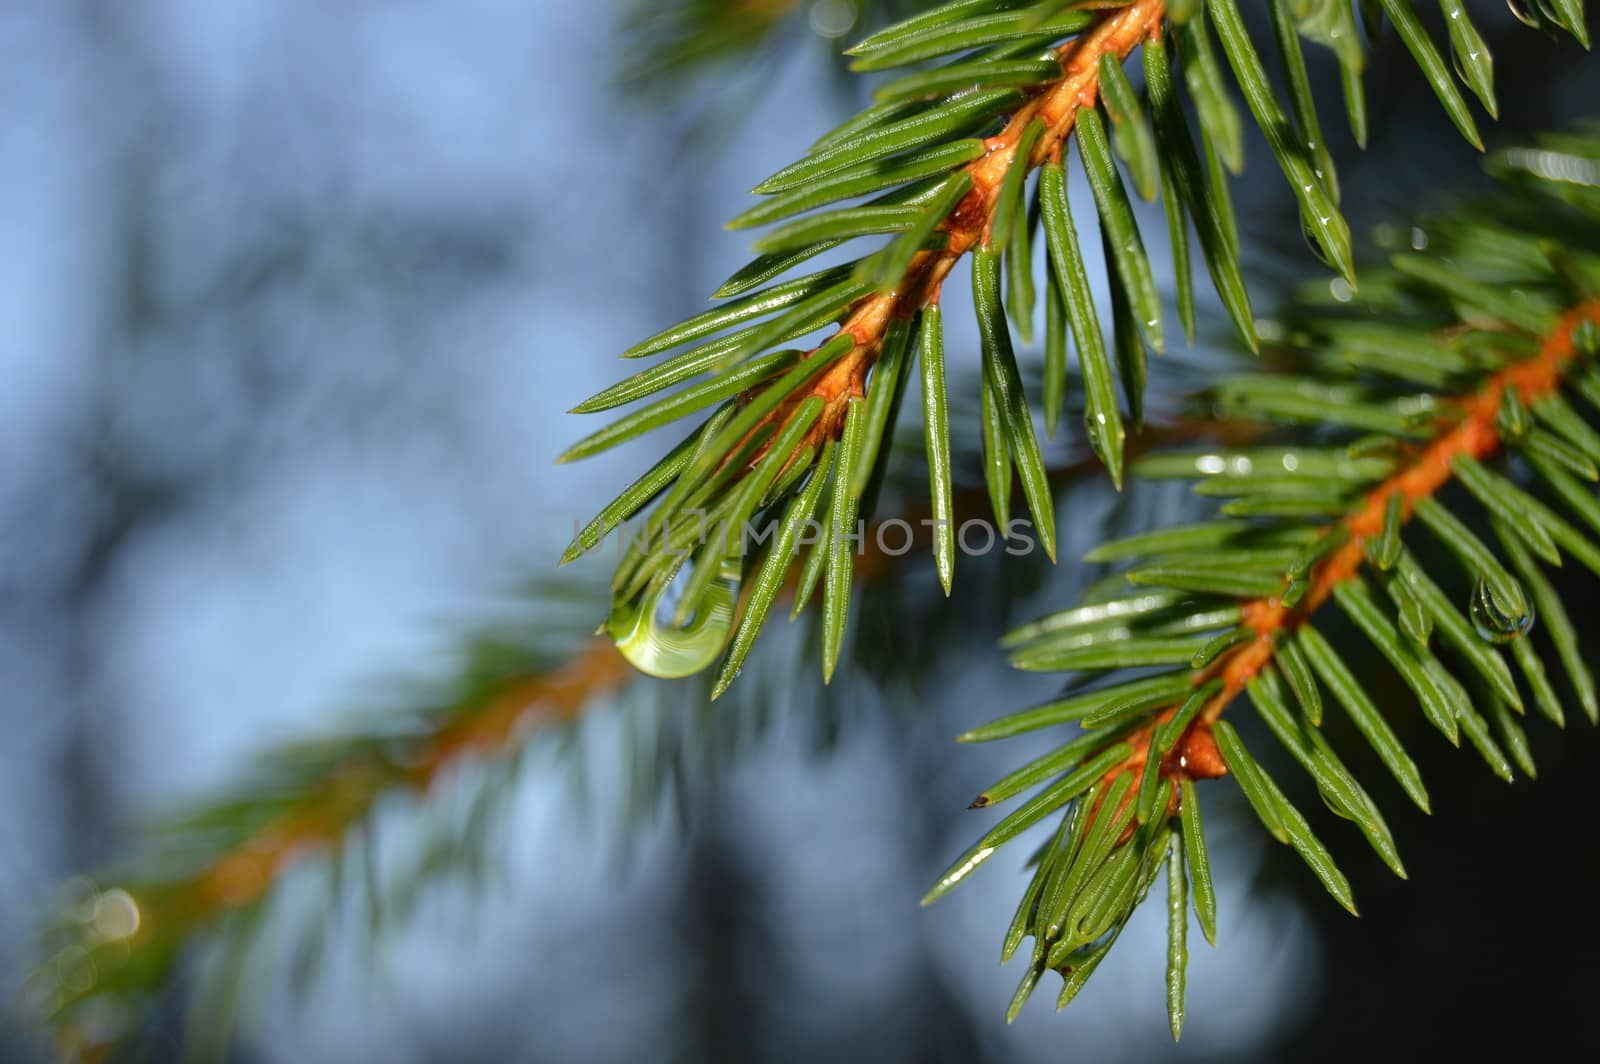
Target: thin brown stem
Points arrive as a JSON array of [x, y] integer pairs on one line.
[[1471, 431], [1118, 32]]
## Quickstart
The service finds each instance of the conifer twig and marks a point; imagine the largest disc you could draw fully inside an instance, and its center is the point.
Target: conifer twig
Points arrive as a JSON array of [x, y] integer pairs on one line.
[[1472, 432], [1116, 34], [1449, 358], [1030, 74]]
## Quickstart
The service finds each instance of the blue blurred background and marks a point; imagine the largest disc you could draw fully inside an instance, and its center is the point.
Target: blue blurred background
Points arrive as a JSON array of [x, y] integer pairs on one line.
[[294, 296]]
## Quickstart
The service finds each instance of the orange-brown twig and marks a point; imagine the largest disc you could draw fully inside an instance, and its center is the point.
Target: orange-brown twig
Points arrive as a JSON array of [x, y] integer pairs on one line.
[[1117, 33], [1472, 432]]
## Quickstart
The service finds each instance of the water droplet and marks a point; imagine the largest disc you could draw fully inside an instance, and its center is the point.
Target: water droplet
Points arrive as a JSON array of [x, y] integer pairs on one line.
[[1316, 248], [833, 18], [1310, 236], [1491, 622], [1341, 290], [1419, 238], [1106, 446], [1533, 13], [1271, 330], [116, 915], [646, 636]]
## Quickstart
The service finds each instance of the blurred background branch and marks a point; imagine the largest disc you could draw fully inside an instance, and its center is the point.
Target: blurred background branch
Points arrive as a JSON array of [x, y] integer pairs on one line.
[[109, 954]]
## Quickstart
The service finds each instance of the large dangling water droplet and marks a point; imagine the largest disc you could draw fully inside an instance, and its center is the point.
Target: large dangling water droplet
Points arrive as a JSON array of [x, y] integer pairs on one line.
[[646, 636], [1491, 622]]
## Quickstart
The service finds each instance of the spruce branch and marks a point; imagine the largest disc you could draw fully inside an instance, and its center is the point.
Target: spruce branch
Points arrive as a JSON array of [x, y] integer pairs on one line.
[[972, 218], [1449, 361], [950, 150]]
